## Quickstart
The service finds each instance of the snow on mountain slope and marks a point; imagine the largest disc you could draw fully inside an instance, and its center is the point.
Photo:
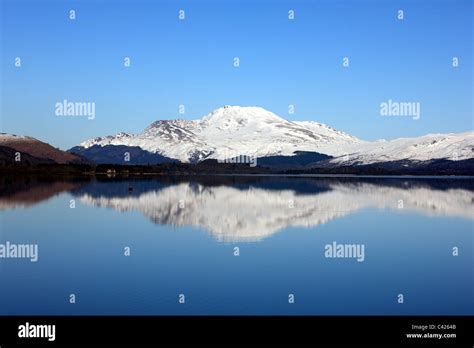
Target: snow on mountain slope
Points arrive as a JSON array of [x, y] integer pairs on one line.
[[173, 139], [326, 133], [433, 146], [235, 130], [231, 131]]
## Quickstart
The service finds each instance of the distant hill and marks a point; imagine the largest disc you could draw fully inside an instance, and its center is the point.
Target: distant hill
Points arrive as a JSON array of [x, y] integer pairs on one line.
[[7, 157], [33, 151], [117, 154], [300, 159]]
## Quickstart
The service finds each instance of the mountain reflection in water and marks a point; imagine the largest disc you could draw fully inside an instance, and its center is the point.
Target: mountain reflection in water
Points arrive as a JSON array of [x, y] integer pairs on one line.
[[239, 209]]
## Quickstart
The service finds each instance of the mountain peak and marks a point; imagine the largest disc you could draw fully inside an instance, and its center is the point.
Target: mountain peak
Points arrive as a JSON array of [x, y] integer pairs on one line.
[[13, 137], [241, 114]]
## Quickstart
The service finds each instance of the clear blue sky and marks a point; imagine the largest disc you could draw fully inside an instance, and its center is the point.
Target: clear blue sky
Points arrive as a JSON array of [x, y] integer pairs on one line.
[[191, 62]]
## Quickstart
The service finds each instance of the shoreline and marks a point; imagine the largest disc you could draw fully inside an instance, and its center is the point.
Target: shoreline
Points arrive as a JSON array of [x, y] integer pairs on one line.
[[151, 174]]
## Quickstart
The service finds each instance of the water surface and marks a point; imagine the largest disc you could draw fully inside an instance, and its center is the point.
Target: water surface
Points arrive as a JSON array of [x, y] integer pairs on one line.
[[182, 233]]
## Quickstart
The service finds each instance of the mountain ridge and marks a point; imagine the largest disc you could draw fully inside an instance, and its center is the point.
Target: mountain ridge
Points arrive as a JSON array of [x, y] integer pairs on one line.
[[231, 131], [228, 132]]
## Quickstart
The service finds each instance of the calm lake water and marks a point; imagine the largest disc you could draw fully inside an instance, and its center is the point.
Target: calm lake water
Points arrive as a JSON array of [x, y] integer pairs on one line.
[[390, 237]]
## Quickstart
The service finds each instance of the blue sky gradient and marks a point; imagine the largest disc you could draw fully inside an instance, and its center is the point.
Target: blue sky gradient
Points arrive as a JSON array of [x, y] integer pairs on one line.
[[190, 62]]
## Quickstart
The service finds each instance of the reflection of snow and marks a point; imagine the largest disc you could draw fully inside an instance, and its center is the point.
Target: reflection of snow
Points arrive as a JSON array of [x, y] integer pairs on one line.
[[230, 214]]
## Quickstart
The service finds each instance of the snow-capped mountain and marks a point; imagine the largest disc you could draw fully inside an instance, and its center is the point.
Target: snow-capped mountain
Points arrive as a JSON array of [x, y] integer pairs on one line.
[[454, 147], [231, 131]]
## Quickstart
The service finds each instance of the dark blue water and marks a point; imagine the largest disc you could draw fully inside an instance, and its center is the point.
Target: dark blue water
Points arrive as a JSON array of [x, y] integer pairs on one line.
[[182, 233]]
